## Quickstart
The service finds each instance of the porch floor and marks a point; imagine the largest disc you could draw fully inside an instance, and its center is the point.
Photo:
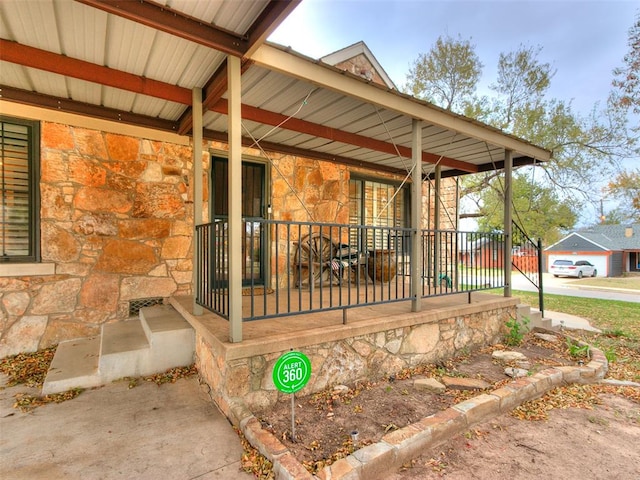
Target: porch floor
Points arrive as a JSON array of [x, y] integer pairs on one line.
[[279, 334]]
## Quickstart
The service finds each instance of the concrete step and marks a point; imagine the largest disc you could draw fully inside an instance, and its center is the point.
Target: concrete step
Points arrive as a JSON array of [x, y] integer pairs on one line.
[[171, 338], [157, 341], [523, 315], [536, 320], [75, 365], [124, 350]]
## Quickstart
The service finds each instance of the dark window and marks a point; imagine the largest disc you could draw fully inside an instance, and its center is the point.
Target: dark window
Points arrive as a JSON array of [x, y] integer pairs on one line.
[[377, 203], [19, 227], [563, 262]]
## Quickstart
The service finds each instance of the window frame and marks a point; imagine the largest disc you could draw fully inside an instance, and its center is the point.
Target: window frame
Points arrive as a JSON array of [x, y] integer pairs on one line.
[[375, 243], [405, 191], [33, 166]]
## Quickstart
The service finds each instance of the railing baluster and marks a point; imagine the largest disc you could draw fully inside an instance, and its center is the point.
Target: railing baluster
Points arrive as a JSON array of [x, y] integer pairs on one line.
[[452, 262]]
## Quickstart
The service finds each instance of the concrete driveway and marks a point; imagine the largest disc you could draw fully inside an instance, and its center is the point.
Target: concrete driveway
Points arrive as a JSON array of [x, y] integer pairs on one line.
[[148, 432]]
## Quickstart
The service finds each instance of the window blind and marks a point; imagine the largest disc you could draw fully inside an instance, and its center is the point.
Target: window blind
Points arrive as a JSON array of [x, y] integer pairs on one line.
[[16, 217]]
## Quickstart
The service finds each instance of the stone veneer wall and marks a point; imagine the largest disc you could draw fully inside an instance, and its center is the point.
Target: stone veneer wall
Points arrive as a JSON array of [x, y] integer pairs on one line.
[[448, 202], [116, 221], [346, 360]]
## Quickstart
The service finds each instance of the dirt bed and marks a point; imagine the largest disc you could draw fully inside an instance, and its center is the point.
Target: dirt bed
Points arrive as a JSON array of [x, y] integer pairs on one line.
[[326, 421], [601, 442]]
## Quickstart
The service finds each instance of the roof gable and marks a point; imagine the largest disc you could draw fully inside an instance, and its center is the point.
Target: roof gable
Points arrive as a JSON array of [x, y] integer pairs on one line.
[[605, 237], [359, 60]]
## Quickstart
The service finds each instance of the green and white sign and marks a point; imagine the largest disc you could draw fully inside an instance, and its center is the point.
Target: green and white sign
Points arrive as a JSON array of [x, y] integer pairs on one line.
[[291, 372]]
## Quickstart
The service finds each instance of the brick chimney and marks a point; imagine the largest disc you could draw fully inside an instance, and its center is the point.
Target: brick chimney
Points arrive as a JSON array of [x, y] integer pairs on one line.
[[628, 232]]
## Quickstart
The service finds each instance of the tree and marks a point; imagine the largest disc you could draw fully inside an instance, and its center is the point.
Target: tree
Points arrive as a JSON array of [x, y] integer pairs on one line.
[[522, 83], [446, 75], [626, 188], [538, 207], [627, 78], [585, 148]]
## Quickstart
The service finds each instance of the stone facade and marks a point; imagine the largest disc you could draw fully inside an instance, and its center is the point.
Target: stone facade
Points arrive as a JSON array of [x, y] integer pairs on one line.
[[117, 221], [346, 360], [361, 66]]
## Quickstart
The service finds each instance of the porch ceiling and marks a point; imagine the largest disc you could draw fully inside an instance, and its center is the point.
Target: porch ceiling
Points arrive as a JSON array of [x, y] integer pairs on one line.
[[137, 62]]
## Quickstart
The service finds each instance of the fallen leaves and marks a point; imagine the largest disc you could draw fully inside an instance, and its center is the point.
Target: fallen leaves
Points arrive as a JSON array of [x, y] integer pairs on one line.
[[172, 375], [26, 402], [253, 462], [29, 369], [571, 396]]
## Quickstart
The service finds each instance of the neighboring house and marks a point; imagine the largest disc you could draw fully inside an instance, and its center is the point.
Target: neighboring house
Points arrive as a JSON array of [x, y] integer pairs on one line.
[[613, 249], [482, 253]]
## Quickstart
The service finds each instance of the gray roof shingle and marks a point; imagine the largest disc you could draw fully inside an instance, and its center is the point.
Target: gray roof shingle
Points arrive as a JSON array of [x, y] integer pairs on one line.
[[613, 237]]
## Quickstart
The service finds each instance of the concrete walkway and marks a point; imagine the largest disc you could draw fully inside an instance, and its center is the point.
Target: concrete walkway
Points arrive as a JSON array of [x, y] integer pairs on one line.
[[148, 432], [570, 322]]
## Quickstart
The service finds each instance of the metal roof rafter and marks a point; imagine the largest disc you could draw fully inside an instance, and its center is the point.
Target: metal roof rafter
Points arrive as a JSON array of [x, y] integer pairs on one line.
[[52, 62], [302, 126], [280, 60], [213, 91], [60, 64], [175, 23]]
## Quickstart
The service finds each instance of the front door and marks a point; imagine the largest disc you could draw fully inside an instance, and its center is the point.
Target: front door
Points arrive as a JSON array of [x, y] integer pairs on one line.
[[253, 210]]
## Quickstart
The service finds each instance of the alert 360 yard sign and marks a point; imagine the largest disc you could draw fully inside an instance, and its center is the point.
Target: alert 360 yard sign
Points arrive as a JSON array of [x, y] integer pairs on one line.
[[291, 372]]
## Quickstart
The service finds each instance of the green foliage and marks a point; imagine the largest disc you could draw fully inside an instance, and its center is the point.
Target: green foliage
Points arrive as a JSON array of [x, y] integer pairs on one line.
[[616, 332], [585, 148], [607, 315], [447, 74], [537, 207], [626, 188], [521, 84], [627, 78], [576, 350], [516, 331], [610, 355]]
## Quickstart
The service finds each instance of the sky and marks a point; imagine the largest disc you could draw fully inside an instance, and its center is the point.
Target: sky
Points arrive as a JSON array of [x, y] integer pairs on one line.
[[583, 41]]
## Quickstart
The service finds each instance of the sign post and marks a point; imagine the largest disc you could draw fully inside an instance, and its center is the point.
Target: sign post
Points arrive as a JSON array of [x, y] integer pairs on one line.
[[291, 373]]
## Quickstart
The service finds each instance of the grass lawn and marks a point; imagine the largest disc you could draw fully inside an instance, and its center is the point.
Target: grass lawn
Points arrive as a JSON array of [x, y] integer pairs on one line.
[[619, 322], [607, 315], [627, 283]]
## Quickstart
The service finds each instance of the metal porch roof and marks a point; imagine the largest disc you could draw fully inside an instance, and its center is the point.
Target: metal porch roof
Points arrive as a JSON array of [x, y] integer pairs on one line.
[[137, 62]]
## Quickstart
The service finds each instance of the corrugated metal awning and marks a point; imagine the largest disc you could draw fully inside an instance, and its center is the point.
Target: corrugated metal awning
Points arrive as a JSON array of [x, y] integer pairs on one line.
[[137, 62]]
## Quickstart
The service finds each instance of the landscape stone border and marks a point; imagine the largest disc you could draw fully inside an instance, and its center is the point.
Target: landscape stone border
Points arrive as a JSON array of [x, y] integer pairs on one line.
[[400, 446]]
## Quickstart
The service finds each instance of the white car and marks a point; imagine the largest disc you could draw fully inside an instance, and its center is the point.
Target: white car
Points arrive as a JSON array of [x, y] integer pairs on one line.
[[567, 268]]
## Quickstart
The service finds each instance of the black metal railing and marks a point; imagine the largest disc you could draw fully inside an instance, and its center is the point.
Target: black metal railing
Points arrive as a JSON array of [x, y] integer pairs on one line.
[[291, 268], [527, 259]]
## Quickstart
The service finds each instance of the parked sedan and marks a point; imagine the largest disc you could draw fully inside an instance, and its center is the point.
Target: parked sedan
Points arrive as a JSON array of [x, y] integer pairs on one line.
[[567, 268]]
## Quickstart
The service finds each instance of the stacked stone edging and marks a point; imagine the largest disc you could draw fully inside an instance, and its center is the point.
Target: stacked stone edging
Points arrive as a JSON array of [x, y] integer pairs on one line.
[[396, 448]]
